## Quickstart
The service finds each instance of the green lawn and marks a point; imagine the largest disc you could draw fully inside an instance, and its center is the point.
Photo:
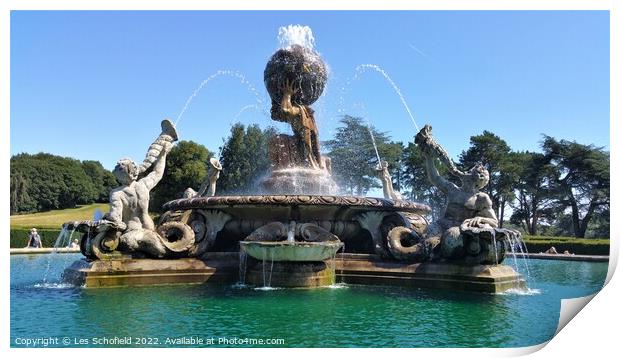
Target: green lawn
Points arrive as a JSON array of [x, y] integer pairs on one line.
[[55, 218]]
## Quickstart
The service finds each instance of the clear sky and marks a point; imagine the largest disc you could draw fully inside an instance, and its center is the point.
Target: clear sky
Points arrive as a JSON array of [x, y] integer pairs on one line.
[[96, 84]]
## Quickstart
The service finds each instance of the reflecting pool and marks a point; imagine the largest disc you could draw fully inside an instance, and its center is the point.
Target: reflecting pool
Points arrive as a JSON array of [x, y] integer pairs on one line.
[[340, 316]]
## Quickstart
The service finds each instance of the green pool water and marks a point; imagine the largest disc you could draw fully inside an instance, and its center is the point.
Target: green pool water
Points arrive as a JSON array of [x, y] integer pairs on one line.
[[342, 316]]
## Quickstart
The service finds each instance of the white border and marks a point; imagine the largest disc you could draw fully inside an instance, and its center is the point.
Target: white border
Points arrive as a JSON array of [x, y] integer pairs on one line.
[[591, 332]]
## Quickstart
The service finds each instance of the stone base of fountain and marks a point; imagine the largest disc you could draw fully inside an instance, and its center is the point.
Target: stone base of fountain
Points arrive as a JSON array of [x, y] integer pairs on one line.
[[371, 270], [289, 263], [123, 272], [290, 274], [222, 268]]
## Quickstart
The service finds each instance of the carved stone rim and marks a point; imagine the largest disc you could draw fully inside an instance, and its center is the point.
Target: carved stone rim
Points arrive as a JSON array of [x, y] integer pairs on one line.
[[378, 204], [289, 243]]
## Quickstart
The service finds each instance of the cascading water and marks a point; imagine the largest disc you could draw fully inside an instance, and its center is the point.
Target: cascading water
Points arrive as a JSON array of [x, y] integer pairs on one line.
[[518, 250], [267, 273], [511, 242], [291, 232], [264, 265], [495, 248], [342, 264], [520, 245], [63, 240], [243, 264]]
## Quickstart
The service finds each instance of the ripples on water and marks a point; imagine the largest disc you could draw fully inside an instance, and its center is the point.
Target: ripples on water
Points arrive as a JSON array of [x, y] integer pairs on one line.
[[339, 316]]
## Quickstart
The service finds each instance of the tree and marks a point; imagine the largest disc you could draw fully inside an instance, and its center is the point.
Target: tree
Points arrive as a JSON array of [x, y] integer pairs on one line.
[[244, 157], [45, 182], [534, 197], [354, 158], [20, 199], [492, 152], [186, 166], [581, 180], [102, 179]]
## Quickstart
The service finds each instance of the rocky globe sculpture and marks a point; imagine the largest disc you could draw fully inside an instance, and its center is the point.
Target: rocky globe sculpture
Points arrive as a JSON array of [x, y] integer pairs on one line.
[[295, 77]]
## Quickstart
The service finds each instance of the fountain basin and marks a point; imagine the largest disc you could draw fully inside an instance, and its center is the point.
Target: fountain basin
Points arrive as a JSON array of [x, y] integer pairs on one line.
[[328, 203], [291, 251], [219, 268], [221, 222]]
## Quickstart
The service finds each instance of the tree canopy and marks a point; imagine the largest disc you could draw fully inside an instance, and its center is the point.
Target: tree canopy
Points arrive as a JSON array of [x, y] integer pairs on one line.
[[493, 153], [244, 158], [186, 166], [44, 181], [354, 158], [580, 181]]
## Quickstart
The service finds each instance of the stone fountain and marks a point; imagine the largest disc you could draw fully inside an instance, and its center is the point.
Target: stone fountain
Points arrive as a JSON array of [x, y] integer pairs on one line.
[[289, 235]]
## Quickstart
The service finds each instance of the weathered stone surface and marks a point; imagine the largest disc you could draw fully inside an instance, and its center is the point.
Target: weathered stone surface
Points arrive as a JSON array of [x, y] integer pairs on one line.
[[371, 270], [324, 201], [300, 65], [128, 227], [223, 268], [125, 271], [290, 274], [386, 182], [467, 232], [291, 251]]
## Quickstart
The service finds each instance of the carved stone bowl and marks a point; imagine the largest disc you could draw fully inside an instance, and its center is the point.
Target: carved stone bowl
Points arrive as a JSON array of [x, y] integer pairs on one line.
[[362, 223], [291, 251], [296, 207]]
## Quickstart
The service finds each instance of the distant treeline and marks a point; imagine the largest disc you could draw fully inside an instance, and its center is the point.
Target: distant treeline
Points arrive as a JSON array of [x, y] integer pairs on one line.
[[563, 190], [44, 181]]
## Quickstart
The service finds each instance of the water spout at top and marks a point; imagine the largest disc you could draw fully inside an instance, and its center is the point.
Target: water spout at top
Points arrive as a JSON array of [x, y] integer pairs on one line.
[[296, 35]]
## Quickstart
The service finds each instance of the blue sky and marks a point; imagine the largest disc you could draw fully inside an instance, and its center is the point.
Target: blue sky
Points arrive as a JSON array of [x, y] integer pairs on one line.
[[96, 84]]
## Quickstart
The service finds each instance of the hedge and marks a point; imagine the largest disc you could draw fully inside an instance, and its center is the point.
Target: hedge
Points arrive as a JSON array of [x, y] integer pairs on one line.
[[536, 244], [19, 237]]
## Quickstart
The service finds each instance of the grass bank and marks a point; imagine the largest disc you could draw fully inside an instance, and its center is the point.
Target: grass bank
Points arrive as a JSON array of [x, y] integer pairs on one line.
[[53, 219], [48, 223]]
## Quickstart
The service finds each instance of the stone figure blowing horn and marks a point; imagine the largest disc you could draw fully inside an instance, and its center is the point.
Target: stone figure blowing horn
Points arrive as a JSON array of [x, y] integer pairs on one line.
[[427, 143], [168, 134]]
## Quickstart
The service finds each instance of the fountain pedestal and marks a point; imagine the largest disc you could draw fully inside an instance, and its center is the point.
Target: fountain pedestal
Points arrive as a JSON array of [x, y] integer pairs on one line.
[[223, 269], [290, 274], [289, 263]]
